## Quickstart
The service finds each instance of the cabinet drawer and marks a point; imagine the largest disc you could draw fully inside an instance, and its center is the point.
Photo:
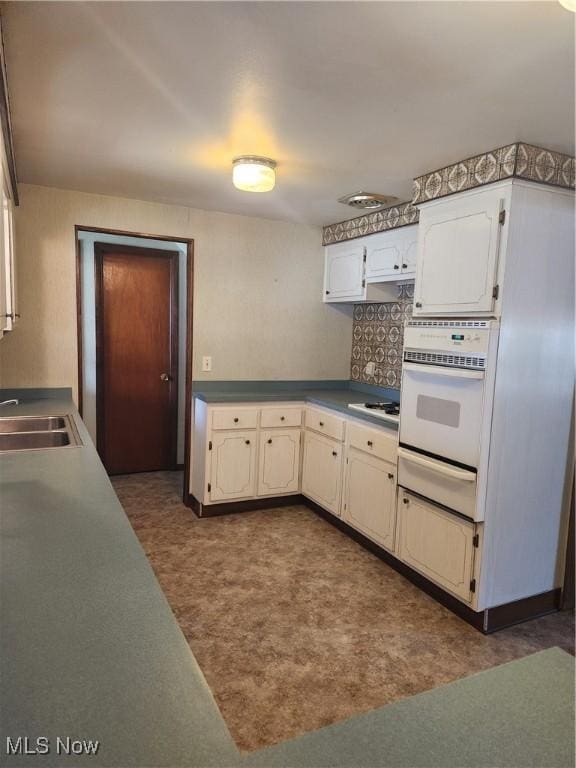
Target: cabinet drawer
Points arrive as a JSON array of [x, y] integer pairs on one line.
[[281, 417], [325, 423], [234, 418], [436, 543], [373, 441]]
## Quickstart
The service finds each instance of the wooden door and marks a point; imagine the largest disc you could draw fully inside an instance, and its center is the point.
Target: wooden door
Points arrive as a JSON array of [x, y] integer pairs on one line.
[[136, 357], [233, 468], [344, 272], [322, 471], [458, 242], [279, 464], [370, 503], [436, 543]]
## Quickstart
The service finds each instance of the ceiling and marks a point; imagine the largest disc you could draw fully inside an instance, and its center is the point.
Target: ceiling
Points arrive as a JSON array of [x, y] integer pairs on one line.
[[152, 100]]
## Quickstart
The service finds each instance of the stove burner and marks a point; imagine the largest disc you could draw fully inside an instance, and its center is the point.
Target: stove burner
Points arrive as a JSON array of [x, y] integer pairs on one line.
[[391, 409]]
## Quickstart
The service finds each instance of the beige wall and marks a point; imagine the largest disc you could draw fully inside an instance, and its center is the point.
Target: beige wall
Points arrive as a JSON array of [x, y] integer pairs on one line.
[[257, 290]]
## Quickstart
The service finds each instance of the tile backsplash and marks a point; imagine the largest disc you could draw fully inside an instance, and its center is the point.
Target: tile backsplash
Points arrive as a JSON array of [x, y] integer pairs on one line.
[[378, 335]]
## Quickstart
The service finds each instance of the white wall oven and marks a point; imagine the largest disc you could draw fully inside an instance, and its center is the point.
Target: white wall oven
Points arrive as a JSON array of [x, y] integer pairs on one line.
[[448, 372]]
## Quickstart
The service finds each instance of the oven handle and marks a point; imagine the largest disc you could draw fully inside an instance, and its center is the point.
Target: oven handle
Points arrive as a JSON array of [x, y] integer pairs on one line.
[[443, 469], [436, 370]]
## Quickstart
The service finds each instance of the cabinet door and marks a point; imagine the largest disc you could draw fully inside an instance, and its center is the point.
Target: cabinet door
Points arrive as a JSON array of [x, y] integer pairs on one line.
[[370, 503], [322, 471], [410, 254], [344, 272], [387, 254], [458, 243], [436, 543], [232, 473], [279, 462]]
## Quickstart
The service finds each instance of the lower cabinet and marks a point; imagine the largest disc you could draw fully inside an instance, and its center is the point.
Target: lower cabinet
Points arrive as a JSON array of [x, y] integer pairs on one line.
[[322, 471], [279, 462], [370, 497], [233, 469], [436, 543]]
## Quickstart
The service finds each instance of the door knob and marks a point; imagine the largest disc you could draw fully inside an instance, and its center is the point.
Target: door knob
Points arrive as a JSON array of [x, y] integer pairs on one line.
[[164, 377]]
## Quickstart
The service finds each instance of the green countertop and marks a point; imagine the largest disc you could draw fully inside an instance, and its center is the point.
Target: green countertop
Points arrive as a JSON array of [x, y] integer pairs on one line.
[[90, 649], [331, 394]]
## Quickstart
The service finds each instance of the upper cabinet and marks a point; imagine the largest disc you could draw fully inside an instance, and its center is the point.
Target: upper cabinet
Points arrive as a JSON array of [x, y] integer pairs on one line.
[[8, 308], [344, 271], [358, 270], [458, 252], [392, 255]]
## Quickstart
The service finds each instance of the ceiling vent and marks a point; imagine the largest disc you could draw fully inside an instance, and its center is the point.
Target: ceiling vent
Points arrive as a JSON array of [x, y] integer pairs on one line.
[[367, 201]]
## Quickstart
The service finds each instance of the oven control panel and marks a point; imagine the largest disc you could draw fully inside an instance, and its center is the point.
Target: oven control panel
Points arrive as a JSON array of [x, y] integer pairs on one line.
[[473, 341]]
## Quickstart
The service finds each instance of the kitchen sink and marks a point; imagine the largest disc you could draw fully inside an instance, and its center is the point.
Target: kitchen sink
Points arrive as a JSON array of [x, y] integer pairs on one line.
[[30, 433], [31, 424]]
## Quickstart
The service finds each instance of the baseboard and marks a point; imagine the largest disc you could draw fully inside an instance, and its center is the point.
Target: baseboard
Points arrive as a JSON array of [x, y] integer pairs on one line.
[[487, 621], [507, 615], [251, 505]]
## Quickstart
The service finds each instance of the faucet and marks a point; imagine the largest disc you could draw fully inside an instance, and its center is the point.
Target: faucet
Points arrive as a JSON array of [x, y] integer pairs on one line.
[[14, 401]]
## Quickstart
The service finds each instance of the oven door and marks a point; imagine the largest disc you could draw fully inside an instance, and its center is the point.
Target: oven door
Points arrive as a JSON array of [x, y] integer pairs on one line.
[[441, 411]]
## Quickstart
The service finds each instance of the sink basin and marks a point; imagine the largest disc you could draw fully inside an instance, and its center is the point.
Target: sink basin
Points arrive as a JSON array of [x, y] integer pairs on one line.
[[31, 424], [32, 433], [24, 441]]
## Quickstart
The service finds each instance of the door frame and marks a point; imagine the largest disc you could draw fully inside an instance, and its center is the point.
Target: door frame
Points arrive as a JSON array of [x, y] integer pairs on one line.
[[189, 326], [100, 251]]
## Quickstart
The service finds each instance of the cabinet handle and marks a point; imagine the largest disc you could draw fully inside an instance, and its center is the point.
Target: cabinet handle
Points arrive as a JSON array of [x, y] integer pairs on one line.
[[247, 442], [334, 453], [370, 443], [282, 418], [269, 441], [418, 304], [327, 293], [405, 501], [321, 423], [236, 420], [12, 315], [396, 266], [390, 475], [404, 266]]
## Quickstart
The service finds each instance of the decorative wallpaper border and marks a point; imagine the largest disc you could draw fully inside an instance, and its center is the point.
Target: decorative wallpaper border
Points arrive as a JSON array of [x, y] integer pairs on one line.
[[400, 215], [518, 160]]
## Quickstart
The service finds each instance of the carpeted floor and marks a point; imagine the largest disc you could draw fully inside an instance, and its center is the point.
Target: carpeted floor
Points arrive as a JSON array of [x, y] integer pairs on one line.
[[296, 626]]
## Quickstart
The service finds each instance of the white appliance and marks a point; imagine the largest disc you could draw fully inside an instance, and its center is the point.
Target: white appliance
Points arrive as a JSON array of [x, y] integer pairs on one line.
[[448, 370], [387, 410]]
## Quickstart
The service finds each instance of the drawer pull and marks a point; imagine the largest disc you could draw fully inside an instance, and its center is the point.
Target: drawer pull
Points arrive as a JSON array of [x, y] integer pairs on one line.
[[270, 441], [282, 418], [247, 442], [390, 475], [334, 453], [370, 443], [321, 423], [236, 420]]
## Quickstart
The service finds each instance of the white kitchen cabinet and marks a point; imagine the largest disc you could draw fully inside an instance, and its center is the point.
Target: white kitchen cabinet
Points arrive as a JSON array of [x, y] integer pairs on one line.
[[233, 467], [458, 250], [279, 462], [8, 308], [438, 544], [391, 255], [370, 497], [322, 471], [344, 271]]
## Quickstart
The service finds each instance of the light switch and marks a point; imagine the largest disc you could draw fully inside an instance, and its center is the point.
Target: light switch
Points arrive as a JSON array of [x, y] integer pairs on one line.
[[207, 363], [370, 368]]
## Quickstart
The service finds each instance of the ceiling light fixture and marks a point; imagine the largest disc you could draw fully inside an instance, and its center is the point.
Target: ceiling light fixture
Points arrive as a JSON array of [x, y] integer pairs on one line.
[[253, 174], [570, 5]]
